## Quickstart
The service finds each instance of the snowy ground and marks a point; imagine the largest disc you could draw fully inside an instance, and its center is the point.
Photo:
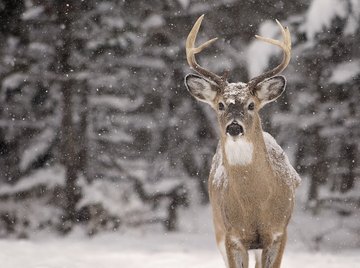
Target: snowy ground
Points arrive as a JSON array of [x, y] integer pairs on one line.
[[144, 250], [193, 247]]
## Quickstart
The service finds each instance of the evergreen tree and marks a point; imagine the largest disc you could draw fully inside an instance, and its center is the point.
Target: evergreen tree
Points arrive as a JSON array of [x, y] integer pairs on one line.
[[97, 127]]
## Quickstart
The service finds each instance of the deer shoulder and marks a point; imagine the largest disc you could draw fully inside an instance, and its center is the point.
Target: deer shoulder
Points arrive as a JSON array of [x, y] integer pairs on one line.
[[280, 163]]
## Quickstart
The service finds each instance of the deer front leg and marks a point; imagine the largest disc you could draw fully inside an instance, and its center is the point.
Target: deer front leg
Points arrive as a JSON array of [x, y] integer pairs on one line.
[[272, 255], [237, 255]]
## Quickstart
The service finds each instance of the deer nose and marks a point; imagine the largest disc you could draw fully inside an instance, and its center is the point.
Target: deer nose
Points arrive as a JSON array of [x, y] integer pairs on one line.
[[234, 129]]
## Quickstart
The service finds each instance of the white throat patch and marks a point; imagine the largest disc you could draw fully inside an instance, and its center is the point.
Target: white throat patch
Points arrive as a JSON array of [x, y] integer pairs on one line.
[[238, 151]]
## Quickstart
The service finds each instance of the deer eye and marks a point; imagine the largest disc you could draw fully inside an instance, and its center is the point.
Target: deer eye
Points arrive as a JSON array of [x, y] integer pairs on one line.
[[221, 106], [251, 106]]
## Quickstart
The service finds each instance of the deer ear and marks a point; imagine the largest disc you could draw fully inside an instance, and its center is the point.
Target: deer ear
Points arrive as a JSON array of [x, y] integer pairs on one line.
[[201, 88], [270, 89]]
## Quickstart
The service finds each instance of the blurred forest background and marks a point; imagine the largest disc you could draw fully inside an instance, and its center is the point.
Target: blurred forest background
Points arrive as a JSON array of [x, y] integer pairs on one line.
[[97, 129]]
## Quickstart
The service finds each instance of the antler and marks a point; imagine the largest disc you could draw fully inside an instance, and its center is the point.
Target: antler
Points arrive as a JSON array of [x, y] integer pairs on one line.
[[286, 47], [191, 50]]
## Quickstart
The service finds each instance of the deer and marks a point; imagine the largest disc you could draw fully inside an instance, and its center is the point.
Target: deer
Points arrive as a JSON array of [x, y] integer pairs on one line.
[[251, 183]]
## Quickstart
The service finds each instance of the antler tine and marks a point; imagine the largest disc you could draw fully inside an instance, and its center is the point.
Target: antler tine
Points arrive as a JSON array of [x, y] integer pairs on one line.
[[191, 50], [285, 45]]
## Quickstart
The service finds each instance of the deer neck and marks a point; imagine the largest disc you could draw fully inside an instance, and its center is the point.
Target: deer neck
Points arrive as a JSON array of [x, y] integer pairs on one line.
[[245, 155]]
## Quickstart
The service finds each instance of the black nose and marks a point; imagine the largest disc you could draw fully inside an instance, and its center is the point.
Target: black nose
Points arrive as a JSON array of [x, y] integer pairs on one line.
[[234, 129]]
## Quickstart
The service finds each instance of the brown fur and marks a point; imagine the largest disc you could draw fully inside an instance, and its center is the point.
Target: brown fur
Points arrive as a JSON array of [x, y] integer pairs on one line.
[[254, 206]]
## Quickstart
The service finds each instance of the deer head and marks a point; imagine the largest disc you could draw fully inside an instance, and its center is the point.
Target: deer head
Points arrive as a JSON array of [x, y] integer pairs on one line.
[[236, 104]]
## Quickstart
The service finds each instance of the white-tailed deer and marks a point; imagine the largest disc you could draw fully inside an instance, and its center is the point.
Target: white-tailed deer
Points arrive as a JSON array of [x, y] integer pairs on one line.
[[251, 183]]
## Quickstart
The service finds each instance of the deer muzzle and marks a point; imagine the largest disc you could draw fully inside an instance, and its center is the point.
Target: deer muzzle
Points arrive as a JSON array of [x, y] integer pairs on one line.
[[234, 129]]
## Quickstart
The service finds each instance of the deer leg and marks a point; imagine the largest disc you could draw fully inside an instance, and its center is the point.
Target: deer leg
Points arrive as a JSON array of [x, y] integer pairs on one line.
[[272, 255], [222, 248], [237, 255], [257, 258], [278, 259]]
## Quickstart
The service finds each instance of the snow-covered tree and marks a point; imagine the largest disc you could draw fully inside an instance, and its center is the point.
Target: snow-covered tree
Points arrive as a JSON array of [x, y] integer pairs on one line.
[[96, 126], [321, 99]]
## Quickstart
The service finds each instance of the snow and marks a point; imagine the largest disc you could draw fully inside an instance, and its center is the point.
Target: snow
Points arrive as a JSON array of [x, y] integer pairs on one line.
[[153, 21], [344, 72], [117, 23], [164, 186], [130, 65], [184, 3], [176, 250], [217, 168], [37, 148], [14, 81], [116, 137], [259, 53], [51, 177], [193, 246], [352, 22], [122, 104], [109, 195], [280, 163], [219, 175], [32, 13], [155, 63], [236, 91], [320, 15]]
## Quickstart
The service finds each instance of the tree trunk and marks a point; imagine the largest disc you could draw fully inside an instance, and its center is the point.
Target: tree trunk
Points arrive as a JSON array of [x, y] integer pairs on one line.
[[70, 156], [318, 168], [82, 137], [348, 179]]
